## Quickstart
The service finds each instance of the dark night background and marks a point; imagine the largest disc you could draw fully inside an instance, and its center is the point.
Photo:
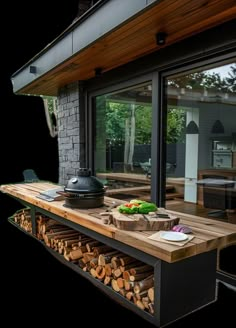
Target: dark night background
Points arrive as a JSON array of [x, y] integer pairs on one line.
[[34, 284]]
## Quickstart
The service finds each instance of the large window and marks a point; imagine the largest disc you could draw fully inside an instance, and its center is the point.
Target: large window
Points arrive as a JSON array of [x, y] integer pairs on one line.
[[201, 140], [123, 140]]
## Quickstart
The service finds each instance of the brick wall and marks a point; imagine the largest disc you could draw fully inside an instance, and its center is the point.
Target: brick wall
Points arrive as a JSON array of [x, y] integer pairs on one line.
[[71, 131]]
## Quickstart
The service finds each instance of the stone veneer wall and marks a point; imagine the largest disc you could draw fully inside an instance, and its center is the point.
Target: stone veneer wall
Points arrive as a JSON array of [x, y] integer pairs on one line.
[[71, 131]]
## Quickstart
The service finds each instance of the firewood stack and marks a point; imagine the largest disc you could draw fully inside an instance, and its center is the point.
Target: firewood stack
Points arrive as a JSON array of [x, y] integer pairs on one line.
[[23, 219], [126, 275], [131, 278]]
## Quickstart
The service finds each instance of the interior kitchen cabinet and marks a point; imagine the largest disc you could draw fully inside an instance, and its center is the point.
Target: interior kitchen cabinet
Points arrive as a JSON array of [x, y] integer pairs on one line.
[[223, 152]]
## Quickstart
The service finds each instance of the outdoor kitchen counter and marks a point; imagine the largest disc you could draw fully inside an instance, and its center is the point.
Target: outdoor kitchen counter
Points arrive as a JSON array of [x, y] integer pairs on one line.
[[208, 234]]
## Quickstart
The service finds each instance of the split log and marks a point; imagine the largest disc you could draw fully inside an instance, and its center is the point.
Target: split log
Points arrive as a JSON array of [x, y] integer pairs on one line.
[[151, 294], [145, 301], [151, 308], [90, 245], [140, 269], [87, 257], [140, 305], [84, 240], [59, 229], [144, 284], [106, 258], [107, 280], [116, 273], [115, 260], [52, 224], [63, 241], [140, 276], [126, 260], [120, 282], [81, 264], [101, 249], [131, 265], [94, 262], [126, 275], [101, 273], [55, 235], [83, 249], [67, 257], [129, 295], [108, 269], [70, 242], [65, 236], [66, 250], [129, 285], [114, 285], [93, 272], [75, 255], [144, 293]]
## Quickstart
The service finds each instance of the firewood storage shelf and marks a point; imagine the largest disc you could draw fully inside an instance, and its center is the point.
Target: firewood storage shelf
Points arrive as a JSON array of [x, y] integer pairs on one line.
[[184, 277], [106, 289], [170, 280]]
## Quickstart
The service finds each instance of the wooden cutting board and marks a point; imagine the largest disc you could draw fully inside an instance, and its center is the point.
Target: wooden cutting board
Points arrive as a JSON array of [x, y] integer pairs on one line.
[[143, 222]]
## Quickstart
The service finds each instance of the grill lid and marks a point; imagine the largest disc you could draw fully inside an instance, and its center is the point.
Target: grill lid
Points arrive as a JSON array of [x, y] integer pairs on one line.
[[85, 183]]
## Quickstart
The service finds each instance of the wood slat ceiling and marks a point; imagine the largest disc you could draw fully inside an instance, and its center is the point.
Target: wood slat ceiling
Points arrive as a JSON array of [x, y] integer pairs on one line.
[[136, 38]]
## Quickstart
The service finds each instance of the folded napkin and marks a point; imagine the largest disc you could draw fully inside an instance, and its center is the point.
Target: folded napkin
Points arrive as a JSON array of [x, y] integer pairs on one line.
[[157, 237]]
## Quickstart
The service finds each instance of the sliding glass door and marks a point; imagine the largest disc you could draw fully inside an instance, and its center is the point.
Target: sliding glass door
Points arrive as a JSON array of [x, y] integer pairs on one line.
[[122, 156], [201, 139]]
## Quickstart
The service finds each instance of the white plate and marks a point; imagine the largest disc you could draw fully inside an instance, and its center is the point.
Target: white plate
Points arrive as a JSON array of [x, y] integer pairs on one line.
[[173, 236]]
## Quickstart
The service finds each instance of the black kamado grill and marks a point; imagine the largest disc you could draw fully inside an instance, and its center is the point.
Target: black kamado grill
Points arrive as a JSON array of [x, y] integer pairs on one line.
[[84, 191]]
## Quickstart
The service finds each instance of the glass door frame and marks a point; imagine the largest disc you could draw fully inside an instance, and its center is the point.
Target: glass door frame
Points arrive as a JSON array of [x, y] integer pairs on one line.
[[159, 116]]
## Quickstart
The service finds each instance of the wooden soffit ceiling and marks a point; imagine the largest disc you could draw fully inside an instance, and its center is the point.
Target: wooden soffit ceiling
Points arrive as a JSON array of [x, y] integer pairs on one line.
[[136, 38]]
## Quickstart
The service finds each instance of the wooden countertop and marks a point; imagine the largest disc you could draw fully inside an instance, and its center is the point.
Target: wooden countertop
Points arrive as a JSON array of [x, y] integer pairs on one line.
[[127, 177], [209, 234], [229, 172]]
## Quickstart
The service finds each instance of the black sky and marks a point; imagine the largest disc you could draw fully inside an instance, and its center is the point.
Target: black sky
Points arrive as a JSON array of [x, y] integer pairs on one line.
[[27, 29]]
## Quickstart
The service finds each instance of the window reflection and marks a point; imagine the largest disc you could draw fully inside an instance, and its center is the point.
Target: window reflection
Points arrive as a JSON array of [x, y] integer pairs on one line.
[[123, 139], [201, 133]]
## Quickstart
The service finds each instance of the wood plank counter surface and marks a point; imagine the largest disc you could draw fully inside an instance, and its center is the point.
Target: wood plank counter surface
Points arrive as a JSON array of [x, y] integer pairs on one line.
[[208, 234], [127, 177]]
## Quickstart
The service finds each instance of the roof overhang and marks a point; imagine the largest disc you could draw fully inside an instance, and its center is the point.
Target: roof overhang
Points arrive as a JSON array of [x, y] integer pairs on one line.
[[115, 33]]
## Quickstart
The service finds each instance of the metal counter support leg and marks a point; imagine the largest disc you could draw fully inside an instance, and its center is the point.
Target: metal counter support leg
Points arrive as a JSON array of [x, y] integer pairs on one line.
[[33, 219]]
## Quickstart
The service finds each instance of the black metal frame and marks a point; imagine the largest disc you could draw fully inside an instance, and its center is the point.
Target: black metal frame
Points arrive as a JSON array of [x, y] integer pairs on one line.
[[193, 53]]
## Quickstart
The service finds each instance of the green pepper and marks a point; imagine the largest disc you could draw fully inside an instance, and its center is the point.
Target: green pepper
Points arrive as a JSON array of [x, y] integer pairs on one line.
[[128, 209], [146, 207]]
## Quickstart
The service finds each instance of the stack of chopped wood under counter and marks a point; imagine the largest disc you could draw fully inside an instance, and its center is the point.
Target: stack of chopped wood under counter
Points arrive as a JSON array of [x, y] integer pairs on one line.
[[126, 275], [131, 278], [23, 218]]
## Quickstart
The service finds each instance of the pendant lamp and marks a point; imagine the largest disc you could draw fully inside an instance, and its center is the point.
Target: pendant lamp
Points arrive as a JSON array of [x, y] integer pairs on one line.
[[192, 128], [218, 127]]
